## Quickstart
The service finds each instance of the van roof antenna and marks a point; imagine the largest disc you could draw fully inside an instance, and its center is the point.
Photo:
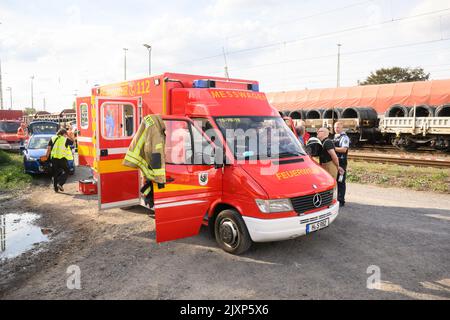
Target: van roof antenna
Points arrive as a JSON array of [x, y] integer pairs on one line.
[[226, 64]]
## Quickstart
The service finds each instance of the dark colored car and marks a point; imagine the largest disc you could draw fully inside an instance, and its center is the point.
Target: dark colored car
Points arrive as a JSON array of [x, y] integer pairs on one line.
[[43, 127], [34, 150]]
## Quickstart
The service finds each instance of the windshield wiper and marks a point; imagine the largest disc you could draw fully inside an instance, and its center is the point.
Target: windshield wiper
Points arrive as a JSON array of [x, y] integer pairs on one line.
[[289, 154]]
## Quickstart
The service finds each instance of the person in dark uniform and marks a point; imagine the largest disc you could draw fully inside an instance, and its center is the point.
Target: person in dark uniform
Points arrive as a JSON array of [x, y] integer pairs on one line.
[[328, 158], [341, 146]]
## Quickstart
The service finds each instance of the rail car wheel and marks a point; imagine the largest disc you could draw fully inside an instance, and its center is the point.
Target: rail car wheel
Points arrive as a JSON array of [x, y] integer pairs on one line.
[[231, 232], [404, 144], [354, 140]]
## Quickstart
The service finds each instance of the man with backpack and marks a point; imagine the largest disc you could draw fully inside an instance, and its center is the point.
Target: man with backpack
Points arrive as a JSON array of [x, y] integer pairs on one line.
[[59, 152]]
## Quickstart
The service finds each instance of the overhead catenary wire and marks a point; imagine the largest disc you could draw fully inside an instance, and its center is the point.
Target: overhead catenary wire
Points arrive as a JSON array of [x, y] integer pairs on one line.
[[315, 15], [344, 54], [278, 43]]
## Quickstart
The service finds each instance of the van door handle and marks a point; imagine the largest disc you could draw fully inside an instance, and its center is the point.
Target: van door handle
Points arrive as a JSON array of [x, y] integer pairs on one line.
[[170, 179]]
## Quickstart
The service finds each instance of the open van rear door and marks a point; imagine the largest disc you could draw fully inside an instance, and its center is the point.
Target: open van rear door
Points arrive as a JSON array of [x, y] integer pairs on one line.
[[117, 122], [86, 151]]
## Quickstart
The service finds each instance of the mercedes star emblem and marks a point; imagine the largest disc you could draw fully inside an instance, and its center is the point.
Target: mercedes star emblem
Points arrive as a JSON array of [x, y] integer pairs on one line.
[[317, 200]]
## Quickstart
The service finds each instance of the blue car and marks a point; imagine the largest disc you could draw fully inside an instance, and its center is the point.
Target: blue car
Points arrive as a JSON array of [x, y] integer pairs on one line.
[[34, 150]]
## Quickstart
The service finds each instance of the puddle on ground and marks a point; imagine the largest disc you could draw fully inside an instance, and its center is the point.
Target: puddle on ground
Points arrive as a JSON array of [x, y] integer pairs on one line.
[[18, 234]]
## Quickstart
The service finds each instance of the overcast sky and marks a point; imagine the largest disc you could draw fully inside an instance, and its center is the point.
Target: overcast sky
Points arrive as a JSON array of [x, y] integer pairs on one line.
[[69, 46]]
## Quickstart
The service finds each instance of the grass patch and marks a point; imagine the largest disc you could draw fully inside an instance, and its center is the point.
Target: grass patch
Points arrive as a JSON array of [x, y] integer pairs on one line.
[[392, 175], [12, 176]]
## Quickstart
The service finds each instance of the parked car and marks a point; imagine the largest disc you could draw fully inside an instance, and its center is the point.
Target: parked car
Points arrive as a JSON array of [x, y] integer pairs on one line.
[[34, 150]]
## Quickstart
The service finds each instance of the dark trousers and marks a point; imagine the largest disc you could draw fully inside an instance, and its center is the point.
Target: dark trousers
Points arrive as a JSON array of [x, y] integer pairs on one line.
[[60, 170], [341, 188], [341, 185]]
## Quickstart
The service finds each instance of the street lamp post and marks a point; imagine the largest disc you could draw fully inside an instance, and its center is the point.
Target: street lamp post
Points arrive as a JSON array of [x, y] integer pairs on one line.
[[149, 49], [339, 66], [125, 62], [32, 95], [10, 97], [1, 90]]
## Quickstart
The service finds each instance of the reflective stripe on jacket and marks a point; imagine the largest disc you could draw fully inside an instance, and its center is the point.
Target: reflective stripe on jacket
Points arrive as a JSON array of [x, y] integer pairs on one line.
[[146, 151], [59, 149]]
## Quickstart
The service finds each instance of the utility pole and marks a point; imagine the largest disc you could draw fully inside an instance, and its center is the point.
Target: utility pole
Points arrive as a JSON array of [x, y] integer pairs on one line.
[[10, 97], [125, 62], [1, 88], [32, 95], [149, 49], [339, 66], [226, 64]]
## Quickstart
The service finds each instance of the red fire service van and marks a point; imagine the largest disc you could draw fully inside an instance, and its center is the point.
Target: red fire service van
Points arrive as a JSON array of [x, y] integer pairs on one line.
[[231, 162]]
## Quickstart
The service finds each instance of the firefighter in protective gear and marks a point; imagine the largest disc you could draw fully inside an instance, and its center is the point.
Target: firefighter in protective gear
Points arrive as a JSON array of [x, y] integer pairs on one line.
[[59, 150], [146, 152]]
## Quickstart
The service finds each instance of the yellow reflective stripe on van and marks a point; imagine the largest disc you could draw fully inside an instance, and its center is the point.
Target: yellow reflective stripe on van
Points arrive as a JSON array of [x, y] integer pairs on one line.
[[85, 150], [111, 166], [172, 187]]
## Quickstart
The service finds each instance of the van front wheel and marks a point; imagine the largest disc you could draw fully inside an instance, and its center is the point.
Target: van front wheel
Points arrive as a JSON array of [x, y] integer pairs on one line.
[[231, 232]]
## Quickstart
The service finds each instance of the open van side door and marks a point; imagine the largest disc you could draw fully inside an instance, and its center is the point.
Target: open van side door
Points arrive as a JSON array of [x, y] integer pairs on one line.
[[117, 120], [192, 184]]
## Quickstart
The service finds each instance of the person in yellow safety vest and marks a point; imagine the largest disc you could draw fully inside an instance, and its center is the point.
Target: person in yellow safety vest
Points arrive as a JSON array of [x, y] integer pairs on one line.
[[146, 152], [59, 152]]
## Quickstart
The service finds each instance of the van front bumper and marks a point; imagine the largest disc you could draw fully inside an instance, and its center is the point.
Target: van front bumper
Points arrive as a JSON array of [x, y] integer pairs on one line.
[[264, 230]]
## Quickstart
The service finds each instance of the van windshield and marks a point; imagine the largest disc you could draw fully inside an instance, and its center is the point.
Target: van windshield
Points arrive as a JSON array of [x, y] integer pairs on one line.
[[259, 137]]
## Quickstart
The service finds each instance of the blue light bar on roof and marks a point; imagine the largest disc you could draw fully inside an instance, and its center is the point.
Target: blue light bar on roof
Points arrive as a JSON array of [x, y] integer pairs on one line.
[[253, 87], [204, 84]]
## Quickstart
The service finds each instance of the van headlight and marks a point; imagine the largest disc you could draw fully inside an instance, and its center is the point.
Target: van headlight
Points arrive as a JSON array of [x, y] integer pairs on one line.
[[335, 193], [276, 205]]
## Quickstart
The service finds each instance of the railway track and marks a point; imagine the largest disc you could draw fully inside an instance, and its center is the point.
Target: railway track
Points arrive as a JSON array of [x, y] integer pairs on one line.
[[443, 162], [390, 148]]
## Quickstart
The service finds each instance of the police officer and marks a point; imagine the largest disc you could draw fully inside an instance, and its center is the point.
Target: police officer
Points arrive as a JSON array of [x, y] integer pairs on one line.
[[341, 144], [59, 151]]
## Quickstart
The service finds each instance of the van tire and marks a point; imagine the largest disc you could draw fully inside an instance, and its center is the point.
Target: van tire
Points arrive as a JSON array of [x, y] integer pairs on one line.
[[231, 232]]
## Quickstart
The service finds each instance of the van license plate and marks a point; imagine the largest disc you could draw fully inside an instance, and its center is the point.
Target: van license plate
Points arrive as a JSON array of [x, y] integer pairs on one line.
[[312, 227]]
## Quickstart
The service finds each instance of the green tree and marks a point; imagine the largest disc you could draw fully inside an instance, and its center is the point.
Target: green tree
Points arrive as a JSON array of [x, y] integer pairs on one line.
[[29, 111], [395, 75]]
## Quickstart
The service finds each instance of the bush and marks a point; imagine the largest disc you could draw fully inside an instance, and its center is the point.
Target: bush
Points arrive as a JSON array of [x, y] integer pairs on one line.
[[4, 158]]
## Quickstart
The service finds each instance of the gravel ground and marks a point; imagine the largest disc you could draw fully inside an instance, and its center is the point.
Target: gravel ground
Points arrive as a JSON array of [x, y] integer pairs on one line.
[[406, 234]]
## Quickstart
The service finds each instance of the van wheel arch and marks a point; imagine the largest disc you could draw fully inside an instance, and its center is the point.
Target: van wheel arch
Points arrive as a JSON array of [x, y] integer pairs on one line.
[[216, 210], [231, 232]]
